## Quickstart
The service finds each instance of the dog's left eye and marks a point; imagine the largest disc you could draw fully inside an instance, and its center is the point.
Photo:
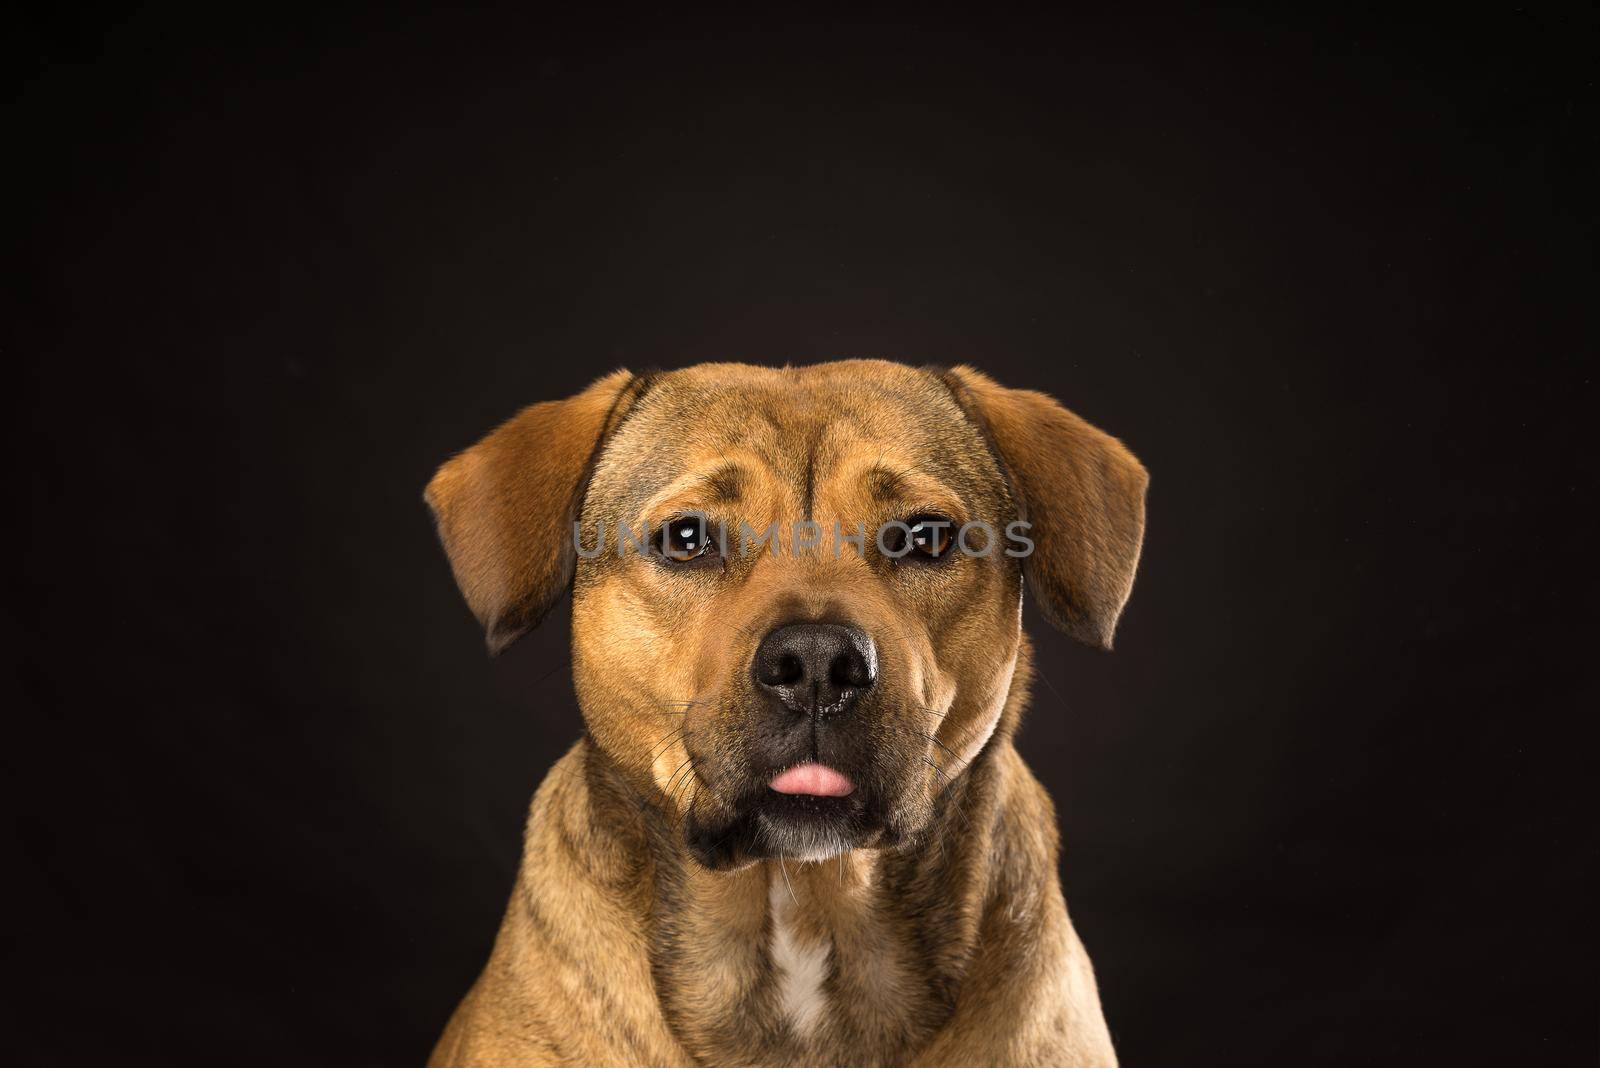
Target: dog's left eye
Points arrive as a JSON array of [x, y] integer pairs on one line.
[[922, 538], [686, 538]]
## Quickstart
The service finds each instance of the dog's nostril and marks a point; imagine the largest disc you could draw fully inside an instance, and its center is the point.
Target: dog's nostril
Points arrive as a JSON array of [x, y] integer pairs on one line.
[[775, 667], [811, 667], [851, 671], [789, 671]]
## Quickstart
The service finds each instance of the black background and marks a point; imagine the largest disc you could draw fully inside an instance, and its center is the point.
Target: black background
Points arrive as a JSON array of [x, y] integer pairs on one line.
[[1325, 804]]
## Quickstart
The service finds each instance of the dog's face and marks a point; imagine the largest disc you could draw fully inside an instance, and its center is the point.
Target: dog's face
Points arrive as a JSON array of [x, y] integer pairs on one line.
[[796, 592], [717, 665]]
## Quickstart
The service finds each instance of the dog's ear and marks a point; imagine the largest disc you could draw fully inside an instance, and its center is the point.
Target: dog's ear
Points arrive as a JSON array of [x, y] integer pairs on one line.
[[505, 507], [1081, 491]]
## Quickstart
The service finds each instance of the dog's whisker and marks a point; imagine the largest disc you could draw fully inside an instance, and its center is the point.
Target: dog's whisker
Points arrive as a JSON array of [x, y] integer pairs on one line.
[[552, 671], [952, 803], [688, 778], [668, 789], [661, 747], [688, 802], [687, 789], [1039, 671], [783, 868], [925, 735], [953, 755], [675, 774]]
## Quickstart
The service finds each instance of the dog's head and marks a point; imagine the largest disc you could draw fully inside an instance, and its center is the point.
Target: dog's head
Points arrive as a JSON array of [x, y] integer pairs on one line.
[[797, 591]]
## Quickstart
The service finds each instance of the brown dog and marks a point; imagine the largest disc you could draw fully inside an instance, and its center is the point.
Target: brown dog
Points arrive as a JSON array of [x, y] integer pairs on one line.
[[797, 831]]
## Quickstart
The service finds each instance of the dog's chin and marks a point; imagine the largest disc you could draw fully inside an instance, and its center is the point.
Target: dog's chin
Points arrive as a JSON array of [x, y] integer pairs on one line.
[[811, 828], [791, 827]]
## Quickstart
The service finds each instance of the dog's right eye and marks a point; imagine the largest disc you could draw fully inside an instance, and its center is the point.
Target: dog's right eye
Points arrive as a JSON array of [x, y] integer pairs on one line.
[[687, 539]]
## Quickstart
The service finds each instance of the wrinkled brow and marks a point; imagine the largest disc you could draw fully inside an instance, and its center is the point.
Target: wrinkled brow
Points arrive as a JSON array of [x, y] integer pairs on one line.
[[884, 484], [912, 486], [723, 485], [728, 483]]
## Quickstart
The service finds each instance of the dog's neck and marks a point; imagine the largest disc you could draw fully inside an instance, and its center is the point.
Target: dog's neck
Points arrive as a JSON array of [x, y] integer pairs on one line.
[[864, 950]]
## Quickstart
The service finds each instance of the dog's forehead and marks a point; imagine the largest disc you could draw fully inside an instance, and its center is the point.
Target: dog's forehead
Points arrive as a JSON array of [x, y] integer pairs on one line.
[[798, 423], [778, 410]]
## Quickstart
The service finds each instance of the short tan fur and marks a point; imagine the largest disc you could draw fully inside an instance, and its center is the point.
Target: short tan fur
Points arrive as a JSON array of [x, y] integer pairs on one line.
[[658, 919]]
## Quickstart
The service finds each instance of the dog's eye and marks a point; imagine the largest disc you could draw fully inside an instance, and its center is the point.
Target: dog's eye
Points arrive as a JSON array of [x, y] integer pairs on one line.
[[930, 535], [925, 537], [686, 538]]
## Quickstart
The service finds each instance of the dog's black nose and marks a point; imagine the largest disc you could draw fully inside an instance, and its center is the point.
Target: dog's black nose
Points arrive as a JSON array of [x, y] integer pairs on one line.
[[816, 668]]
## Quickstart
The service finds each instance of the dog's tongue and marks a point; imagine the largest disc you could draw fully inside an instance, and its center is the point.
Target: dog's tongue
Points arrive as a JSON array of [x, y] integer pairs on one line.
[[818, 780]]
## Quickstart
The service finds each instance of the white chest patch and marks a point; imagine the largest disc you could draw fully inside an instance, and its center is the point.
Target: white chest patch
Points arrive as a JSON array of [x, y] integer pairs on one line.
[[801, 968]]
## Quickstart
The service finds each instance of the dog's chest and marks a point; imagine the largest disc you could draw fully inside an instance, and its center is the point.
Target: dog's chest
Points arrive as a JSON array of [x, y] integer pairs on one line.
[[800, 963], [818, 977]]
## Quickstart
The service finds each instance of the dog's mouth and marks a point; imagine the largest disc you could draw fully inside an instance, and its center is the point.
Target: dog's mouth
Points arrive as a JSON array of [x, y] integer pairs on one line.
[[807, 812], [811, 779]]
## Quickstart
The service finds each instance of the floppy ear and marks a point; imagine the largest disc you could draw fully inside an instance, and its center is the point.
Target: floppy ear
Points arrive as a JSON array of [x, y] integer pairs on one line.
[[1082, 492], [505, 507]]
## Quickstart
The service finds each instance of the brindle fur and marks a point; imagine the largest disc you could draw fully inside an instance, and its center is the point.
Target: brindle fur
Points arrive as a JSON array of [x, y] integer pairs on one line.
[[641, 927]]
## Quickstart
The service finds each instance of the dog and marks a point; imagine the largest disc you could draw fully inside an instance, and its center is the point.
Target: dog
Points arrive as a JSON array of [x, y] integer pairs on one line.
[[796, 830]]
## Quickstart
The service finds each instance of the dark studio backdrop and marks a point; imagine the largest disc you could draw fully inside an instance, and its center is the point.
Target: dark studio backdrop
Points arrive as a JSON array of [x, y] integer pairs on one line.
[[1326, 803]]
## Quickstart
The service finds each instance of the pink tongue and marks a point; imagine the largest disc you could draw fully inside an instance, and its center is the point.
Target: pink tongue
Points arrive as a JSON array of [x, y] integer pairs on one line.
[[818, 780]]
